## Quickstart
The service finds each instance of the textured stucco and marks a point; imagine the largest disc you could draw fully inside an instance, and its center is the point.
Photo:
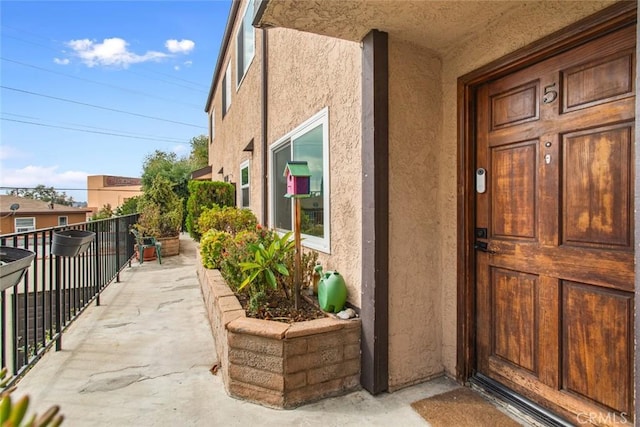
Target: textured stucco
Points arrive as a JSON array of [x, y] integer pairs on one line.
[[415, 117], [242, 123], [307, 73]]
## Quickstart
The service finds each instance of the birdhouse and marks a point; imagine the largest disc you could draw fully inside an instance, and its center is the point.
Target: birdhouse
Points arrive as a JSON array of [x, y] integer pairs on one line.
[[298, 179]]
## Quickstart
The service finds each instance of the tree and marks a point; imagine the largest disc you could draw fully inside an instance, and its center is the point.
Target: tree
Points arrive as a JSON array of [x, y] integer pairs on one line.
[[167, 165], [46, 194], [199, 156]]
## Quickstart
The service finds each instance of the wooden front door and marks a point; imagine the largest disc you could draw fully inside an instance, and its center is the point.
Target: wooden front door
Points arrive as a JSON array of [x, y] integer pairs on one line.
[[554, 231]]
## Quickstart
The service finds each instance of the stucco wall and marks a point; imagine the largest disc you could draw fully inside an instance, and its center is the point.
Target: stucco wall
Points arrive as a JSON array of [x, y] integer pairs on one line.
[[241, 123], [306, 74], [100, 194], [415, 118]]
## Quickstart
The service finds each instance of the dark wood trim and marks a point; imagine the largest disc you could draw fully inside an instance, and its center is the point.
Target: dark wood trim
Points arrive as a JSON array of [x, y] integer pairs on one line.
[[375, 213], [610, 19], [265, 127]]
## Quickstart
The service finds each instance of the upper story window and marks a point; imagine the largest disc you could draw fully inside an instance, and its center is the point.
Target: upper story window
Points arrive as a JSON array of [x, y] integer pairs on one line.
[[245, 42], [24, 224], [244, 184], [308, 142], [63, 220], [226, 90]]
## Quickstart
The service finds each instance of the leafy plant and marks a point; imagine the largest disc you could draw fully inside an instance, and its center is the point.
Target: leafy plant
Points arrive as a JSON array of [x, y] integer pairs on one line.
[[160, 210], [268, 262], [204, 195], [13, 414], [229, 219], [213, 246]]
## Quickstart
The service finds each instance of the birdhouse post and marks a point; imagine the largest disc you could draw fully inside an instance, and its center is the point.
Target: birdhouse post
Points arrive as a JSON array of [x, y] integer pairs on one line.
[[298, 179]]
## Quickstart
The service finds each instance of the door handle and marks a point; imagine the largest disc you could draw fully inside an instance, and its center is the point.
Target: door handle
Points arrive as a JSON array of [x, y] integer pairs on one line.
[[483, 247]]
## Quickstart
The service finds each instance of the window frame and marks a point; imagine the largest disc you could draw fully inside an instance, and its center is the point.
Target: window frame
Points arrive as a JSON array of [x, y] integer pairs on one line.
[[24, 229], [226, 90], [245, 165], [66, 221], [321, 244], [240, 47]]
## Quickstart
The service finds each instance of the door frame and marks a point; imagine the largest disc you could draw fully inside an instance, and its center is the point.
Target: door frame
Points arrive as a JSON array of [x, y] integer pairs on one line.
[[609, 19]]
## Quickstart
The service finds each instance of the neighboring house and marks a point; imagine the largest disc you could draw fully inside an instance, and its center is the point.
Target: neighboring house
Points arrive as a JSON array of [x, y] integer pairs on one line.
[[33, 214], [111, 190], [473, 177]]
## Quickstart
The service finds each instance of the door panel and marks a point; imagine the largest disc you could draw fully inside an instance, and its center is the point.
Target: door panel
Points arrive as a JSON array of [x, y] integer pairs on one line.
[[555, 282]]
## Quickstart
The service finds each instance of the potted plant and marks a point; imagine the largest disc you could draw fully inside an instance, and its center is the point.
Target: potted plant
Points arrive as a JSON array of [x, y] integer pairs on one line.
[[161, 216]]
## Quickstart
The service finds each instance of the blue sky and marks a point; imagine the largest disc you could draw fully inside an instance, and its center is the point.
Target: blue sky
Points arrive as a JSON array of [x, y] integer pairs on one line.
[[98, 67]]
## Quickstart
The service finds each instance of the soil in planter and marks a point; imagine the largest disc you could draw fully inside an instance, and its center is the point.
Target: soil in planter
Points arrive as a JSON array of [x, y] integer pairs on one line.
[[279, 308]]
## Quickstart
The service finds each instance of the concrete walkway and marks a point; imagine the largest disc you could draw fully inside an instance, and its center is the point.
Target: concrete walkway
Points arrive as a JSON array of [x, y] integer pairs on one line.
[[142, 358]]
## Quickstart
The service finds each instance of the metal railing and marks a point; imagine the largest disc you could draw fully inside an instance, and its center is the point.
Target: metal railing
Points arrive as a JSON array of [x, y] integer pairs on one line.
[[55, 289]]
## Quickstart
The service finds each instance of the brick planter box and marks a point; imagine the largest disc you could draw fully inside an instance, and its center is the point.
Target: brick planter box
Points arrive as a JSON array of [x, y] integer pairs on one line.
[[277, 364]]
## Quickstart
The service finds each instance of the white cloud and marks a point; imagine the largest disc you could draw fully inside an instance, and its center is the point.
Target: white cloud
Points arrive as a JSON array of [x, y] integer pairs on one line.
[[176, 67], [188, 63], [111, 52], [182, 46], [50, 176], [59, 61]]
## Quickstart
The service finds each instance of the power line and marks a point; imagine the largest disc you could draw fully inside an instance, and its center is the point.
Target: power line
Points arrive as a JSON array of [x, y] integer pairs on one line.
[[100, 107], [168, 139], [85, 130], [24, 64]]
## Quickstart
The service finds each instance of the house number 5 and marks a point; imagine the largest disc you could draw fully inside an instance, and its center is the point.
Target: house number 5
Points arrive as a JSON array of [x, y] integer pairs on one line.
[[550, 94]]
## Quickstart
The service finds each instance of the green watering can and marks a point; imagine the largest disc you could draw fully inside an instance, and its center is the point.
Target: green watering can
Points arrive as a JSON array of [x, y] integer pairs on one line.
[[332, 291]]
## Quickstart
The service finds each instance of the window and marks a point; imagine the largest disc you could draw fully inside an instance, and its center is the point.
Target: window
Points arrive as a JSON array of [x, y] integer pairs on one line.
[[25, 224], [245, 43], [244, 184], [226, 90], [308, 142], [213, 125], [63, 220]]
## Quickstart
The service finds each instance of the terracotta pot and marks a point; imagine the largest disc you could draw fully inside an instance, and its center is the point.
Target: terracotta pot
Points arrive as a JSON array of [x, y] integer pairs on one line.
[[149, 253]]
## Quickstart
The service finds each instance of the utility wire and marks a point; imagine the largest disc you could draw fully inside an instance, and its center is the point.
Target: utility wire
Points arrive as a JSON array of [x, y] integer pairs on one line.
[[97, 82], [100, 107], [132, 134], [86, 130]]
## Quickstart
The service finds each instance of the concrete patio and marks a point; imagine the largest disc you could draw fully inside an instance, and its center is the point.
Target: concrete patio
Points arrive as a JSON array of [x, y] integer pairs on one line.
[[143, 357]]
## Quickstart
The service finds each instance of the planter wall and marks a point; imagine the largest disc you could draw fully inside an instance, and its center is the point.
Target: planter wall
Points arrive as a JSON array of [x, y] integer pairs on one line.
[[170, 246], [277, 364]]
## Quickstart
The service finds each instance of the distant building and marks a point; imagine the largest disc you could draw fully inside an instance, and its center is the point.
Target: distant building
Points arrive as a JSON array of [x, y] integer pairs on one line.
[[111, 190], [30, 214]]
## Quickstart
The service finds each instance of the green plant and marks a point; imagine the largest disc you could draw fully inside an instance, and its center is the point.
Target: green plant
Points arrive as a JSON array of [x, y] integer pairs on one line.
[[160, 210], [213, 245], [237, 251], [229, 219], [204, 195], [268, 263], [130, 206], [12, 414]]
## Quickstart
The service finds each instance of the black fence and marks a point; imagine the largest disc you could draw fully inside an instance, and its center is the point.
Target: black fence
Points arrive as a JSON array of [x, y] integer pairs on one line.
[[56, 289]]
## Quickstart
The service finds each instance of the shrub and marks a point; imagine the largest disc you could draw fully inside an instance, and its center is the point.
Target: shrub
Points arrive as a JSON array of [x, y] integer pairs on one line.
[[213, 246], [229, 219], [160, 210], [203, 195]]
